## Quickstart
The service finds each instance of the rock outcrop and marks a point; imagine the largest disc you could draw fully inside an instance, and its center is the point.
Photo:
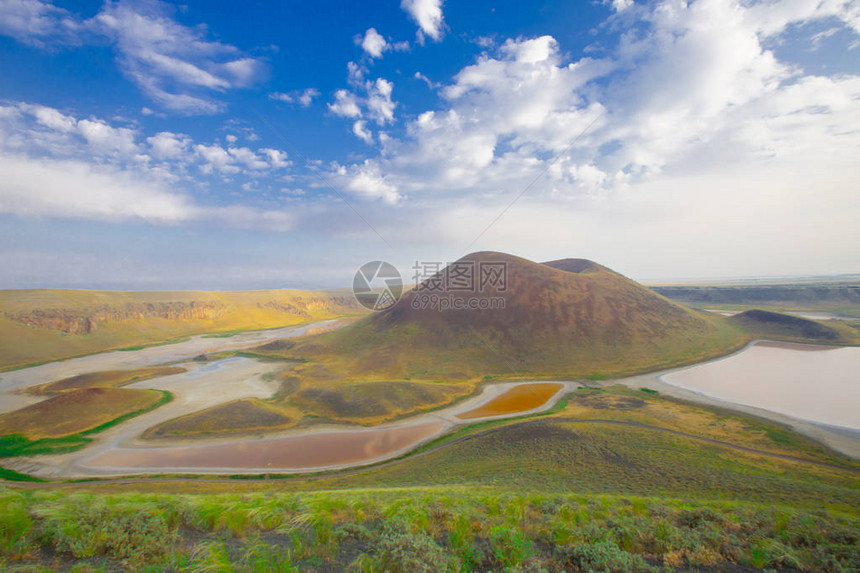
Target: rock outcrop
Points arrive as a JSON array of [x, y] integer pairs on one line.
[[85, 321]]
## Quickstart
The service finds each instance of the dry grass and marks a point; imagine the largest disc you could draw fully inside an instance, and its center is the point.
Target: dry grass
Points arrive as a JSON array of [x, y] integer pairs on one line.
[[375, 402], [624, 404], [105, 379], [242, 310], [240, 417], [76, 411]]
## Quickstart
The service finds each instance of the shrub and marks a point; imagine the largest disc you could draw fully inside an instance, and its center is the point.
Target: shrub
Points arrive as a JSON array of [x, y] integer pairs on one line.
[[603, 556]]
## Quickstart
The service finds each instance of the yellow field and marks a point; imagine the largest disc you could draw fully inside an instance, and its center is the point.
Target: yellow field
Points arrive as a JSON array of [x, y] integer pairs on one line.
[[49, 324]]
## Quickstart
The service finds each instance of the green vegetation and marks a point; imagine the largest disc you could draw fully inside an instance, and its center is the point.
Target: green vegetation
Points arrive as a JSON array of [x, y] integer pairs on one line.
[[649, 391], [12, 445], [415, 530]]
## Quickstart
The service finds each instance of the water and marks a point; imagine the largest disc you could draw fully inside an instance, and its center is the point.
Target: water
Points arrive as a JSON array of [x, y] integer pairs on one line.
[[815, 383]]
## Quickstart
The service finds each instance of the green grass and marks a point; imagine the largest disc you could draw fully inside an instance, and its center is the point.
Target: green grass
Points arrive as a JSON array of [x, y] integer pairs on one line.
[[416, 530]]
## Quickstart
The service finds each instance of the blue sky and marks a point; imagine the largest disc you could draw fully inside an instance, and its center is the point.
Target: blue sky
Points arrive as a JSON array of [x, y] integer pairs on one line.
[[237, 145]]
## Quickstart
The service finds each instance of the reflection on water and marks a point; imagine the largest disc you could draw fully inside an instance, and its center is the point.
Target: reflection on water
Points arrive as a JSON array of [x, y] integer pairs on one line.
[[815, 383], [518, 399], [324, 449]]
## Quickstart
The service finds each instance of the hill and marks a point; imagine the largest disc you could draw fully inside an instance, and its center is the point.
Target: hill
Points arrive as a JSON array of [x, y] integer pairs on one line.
[[564, 318], [48, 324], [765, 323]]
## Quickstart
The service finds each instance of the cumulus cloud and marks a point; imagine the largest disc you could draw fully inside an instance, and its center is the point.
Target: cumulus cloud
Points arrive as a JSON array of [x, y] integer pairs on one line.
[[345, 104], [359, 128], [687, 110], [427, 14], [58, 165], [374, 103], [373, 43]]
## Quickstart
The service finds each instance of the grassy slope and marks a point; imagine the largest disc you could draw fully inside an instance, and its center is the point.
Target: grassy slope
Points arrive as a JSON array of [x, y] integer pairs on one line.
[[245, 310], [554, 491]]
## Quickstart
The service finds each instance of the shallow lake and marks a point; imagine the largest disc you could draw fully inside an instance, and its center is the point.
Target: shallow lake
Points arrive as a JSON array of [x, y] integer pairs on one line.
[[518, 399], [816, 383], [323, 449]]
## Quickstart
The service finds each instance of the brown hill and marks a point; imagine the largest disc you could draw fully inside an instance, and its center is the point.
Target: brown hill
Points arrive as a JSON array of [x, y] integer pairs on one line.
[[569, 317], [769, 324]]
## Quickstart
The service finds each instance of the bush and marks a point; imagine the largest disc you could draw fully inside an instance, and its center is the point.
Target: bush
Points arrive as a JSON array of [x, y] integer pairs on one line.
[[603, 556]]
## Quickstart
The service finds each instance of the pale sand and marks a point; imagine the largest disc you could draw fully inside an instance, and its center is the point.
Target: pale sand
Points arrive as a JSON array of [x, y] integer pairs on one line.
[[12, 382]]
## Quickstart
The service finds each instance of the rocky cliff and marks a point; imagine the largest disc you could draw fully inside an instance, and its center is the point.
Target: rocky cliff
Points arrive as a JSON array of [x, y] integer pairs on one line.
[[85, 321]]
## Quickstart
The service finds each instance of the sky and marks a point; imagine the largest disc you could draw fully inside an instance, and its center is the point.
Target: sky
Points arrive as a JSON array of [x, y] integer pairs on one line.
[[246, 145]]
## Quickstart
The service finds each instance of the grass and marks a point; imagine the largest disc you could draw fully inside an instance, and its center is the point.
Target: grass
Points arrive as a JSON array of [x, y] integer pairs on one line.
[[12, 445], [77, 411], [240, 417], [426, 529]]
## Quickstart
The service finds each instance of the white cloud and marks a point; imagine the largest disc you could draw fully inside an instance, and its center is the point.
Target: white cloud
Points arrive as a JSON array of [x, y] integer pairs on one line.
[[427, 14], [173, 64], [36, 23], [167, 145], [376, 103], [359, 128], [345, 104], [216, 158], [277, 158], [303, 97], [380, 108], [373, 43], [56, 165], [69, 188], [366, 181]]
